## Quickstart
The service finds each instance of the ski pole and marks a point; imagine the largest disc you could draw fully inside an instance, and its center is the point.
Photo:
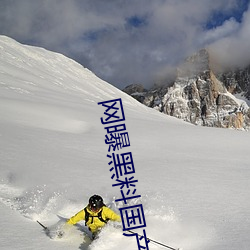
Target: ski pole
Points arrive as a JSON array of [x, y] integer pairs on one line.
[[45, 228], [157, 242]]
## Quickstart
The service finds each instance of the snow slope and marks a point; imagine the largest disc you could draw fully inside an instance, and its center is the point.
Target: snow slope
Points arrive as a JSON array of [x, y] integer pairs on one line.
[[194, 181]]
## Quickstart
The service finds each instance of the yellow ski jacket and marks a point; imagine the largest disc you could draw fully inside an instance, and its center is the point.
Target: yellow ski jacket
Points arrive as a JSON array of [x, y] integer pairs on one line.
[[94, 223]]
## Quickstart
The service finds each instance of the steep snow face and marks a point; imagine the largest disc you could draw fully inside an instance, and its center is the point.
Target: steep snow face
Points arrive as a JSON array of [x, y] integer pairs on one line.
[[193, 181]]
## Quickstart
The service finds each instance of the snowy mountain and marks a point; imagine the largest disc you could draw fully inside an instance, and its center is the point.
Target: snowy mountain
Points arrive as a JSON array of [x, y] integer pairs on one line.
[[193, 181], [237, 81], [201, 95]]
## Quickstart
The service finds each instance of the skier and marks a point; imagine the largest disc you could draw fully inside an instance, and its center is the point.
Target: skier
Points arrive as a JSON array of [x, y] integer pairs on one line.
[[95, 214]]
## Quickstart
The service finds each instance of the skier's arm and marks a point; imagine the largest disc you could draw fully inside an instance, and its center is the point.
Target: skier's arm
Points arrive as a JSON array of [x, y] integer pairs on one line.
[[110, 214], [77, 217]]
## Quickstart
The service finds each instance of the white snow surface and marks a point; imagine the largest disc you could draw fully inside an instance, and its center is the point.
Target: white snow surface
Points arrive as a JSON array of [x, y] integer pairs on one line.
[[194, 181]]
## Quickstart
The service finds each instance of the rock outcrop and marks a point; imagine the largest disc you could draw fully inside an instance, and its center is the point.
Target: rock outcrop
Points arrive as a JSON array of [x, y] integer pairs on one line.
[[199, 96]]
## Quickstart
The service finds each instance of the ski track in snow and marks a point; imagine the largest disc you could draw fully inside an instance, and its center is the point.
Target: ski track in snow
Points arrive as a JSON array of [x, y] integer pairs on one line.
[[40, 204], [32, 204], [37, 205]]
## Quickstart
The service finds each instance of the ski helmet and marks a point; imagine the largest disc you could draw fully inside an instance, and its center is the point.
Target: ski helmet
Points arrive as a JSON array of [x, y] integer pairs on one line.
[[96, 202]]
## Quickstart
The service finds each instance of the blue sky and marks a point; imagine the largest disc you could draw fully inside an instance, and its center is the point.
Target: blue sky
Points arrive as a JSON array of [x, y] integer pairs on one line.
[[218, 17], [131, 41]]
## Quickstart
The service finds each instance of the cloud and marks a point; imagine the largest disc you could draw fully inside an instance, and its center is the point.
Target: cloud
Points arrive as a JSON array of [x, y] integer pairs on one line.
[[228, 28], [123, 42], [233, 49]]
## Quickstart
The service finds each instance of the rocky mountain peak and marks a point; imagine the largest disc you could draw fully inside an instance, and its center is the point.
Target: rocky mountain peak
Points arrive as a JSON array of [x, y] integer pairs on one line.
[[196, 64], [200, 96]]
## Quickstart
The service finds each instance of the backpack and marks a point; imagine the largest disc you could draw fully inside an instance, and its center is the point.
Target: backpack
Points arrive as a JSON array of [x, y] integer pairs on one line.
[[99, 215]]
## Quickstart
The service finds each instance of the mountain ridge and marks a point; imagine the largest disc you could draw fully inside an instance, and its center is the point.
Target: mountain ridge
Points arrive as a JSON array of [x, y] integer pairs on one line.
[[201, 95]]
